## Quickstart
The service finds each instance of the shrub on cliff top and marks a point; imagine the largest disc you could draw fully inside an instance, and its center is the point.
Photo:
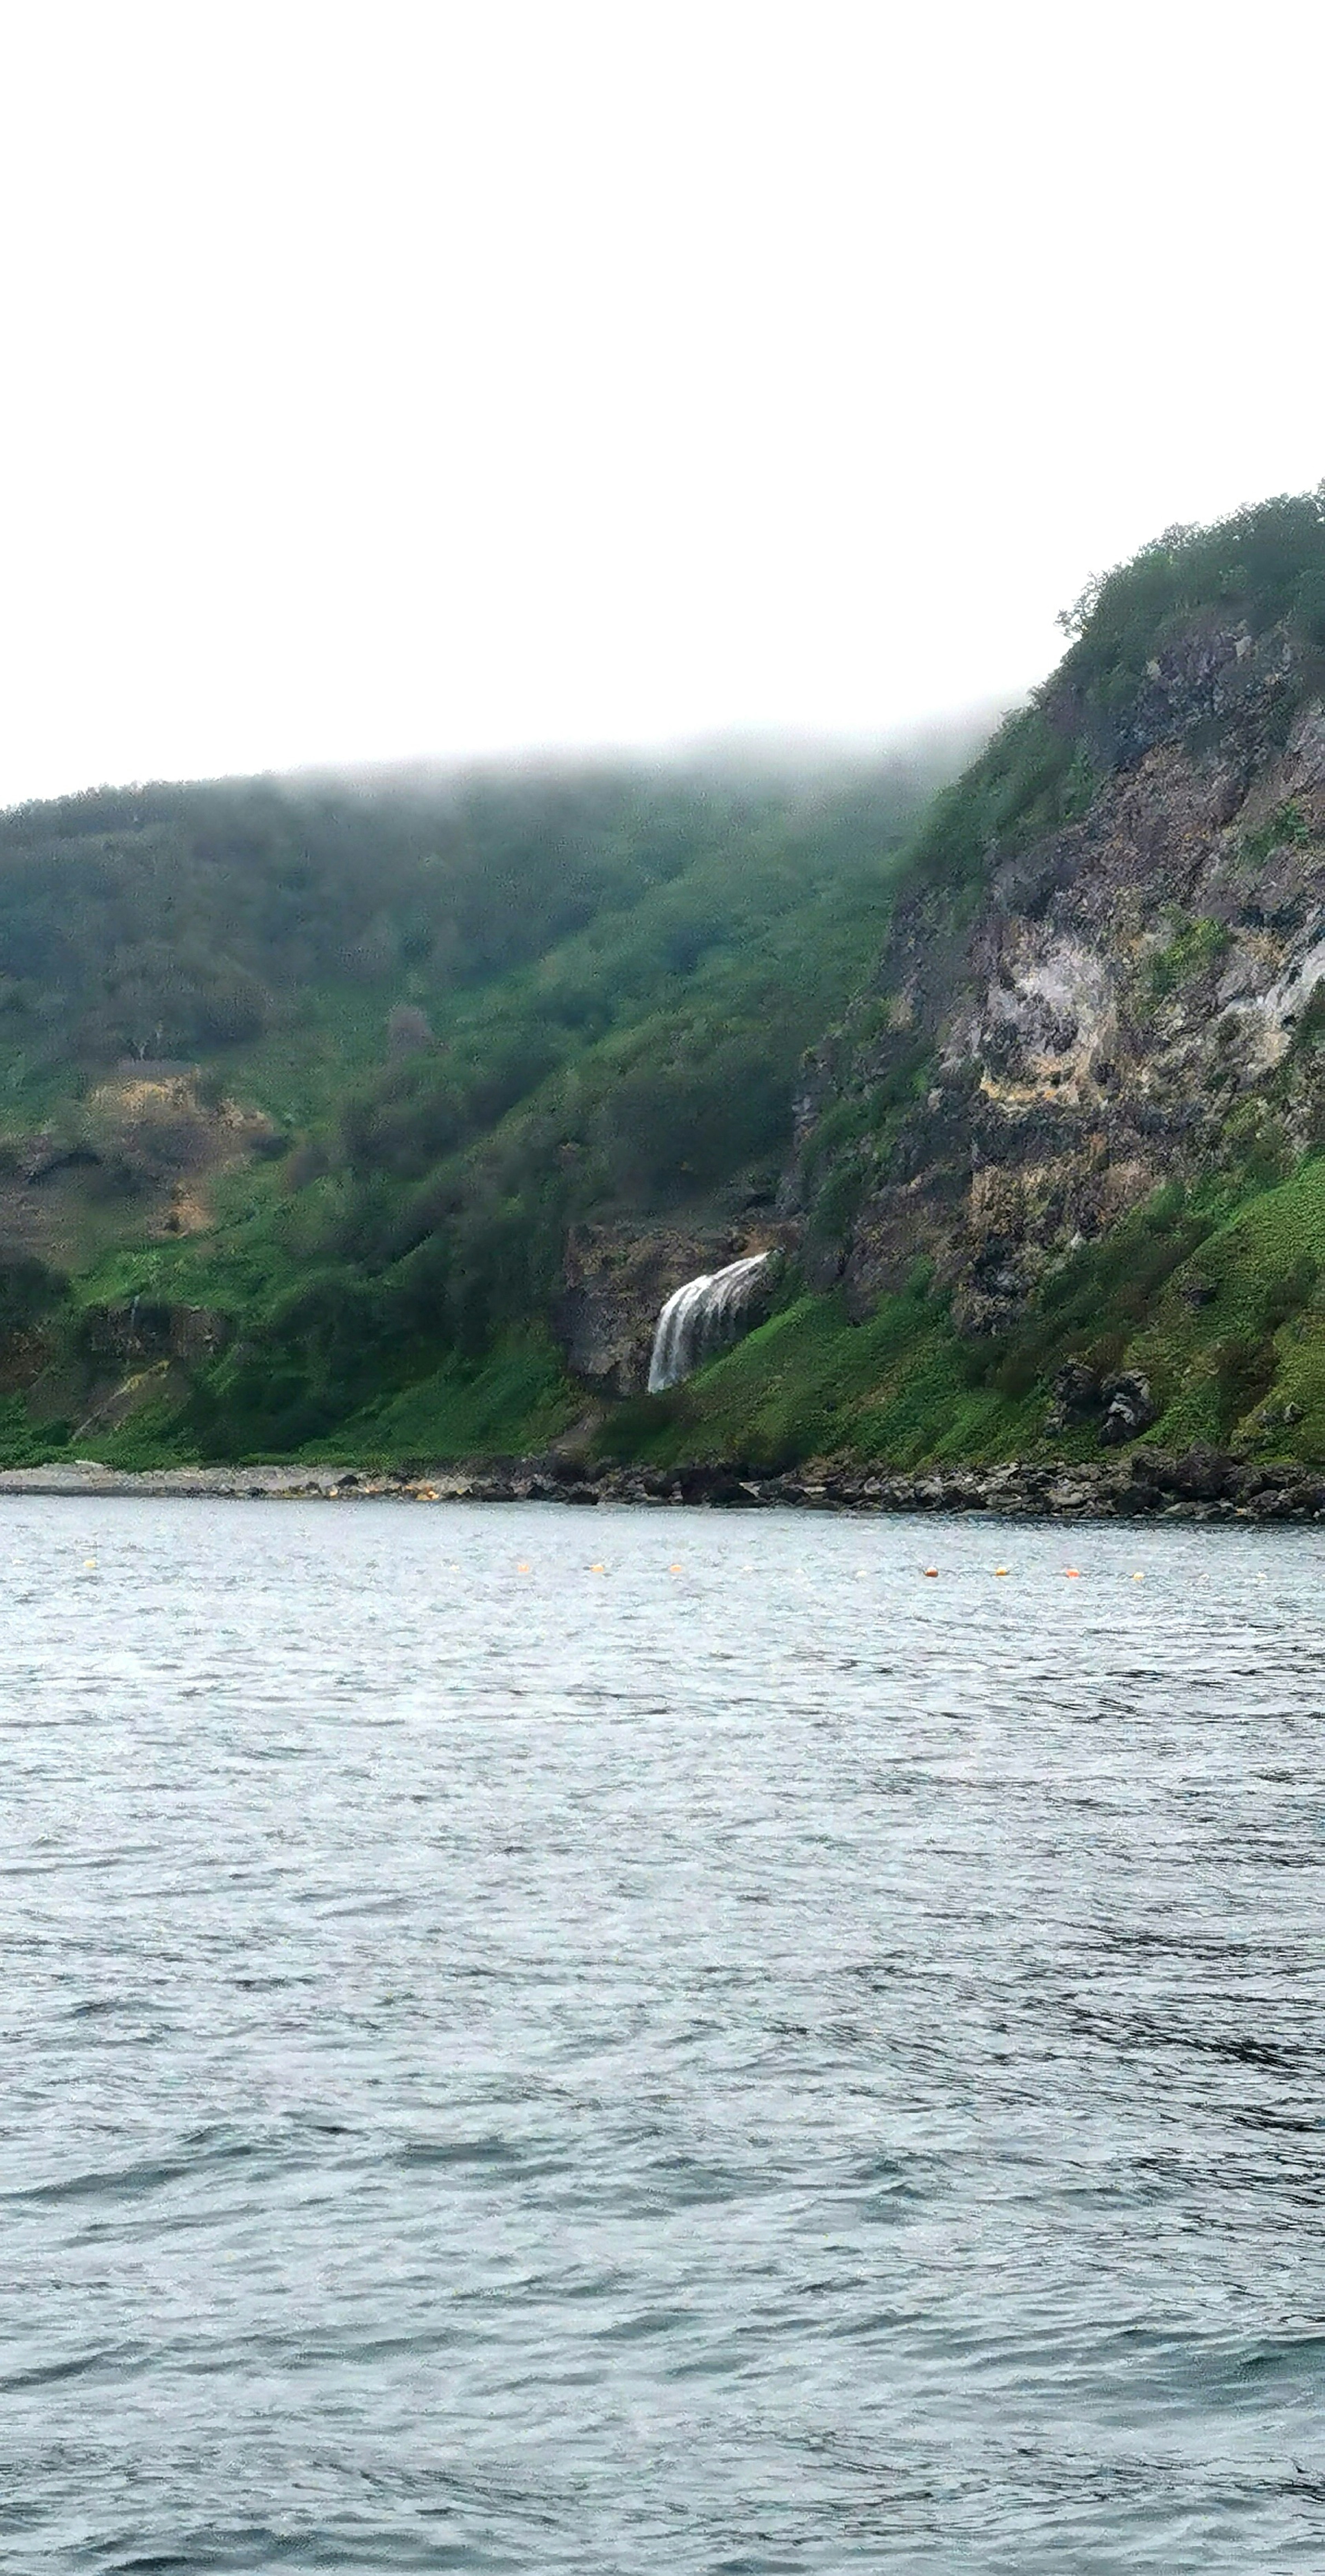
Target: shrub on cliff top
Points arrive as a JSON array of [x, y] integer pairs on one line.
[[1266, 564], [1263, 566]]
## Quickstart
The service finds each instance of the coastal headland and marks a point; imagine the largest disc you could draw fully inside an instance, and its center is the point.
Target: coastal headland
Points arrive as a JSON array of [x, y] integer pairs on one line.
[[900, 1139]]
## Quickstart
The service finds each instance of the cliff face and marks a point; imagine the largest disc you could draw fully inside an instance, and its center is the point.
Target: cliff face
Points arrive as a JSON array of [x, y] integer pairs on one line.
[[1132, 998], [616, 1281]]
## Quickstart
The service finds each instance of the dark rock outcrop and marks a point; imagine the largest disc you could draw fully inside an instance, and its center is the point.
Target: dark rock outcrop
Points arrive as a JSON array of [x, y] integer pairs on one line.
[[1128, 1408], [1116, 1408], [616, 1282], [146, 1329], [1078, 1397]]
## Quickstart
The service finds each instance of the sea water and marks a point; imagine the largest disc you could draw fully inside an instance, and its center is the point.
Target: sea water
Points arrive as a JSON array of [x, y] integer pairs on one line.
[[637, 2042]]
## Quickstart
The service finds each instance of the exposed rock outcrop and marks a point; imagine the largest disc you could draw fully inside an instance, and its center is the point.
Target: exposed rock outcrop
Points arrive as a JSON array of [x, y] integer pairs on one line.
[[1116, 1407], [616, 1282], [147, 1329], [145, 1146], [1126, 995]]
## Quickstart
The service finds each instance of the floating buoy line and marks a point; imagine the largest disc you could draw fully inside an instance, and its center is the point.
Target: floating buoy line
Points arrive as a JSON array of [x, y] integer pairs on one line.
[[861, 1573]]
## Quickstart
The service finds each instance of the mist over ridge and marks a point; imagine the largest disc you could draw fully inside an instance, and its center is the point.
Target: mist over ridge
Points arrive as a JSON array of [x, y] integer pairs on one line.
[[782, 756]]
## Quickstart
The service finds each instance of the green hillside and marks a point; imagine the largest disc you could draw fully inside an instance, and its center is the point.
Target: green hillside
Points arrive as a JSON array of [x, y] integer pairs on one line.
[[338, 1066], [312, 1095]]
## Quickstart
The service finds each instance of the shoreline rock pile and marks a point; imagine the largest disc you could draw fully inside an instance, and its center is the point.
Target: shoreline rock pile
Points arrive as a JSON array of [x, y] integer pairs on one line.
[[1192, 1485]]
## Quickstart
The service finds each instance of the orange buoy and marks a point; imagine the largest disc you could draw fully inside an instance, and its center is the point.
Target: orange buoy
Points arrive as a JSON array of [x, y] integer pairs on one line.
[[1074, 1571], [931, 1570]]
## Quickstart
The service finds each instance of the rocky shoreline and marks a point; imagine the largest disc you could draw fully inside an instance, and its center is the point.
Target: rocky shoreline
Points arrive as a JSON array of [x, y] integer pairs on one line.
[[1192, 1485]]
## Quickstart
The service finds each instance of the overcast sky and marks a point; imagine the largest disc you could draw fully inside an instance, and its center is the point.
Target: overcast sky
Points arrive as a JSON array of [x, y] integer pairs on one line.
[[393, 379]]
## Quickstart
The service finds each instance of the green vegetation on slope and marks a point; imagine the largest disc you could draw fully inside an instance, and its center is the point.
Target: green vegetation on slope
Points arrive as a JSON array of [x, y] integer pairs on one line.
[[1216, 1295], [1265, 564], [186, 921], [476, 1013]]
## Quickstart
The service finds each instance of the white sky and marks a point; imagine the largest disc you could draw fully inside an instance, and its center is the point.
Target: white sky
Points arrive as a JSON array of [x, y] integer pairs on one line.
[[393, 379]]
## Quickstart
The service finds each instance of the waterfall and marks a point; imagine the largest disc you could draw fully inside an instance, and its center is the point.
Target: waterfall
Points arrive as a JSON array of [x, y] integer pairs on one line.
[[700, 1319]]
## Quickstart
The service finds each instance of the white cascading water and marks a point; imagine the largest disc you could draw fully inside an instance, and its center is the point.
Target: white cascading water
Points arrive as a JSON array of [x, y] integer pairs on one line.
[[700, 1319]]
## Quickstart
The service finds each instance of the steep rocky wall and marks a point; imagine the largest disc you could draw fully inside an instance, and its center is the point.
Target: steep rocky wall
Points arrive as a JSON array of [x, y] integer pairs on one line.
[[1124, 1002], [616, 1281]]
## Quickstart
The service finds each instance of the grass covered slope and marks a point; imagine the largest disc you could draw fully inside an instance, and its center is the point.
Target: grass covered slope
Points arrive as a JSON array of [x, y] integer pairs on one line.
[[1213, 1295], [472, 1017]]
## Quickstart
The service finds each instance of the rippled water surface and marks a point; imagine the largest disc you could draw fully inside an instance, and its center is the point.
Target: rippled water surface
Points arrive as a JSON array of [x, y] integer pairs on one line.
[[649, 2042]]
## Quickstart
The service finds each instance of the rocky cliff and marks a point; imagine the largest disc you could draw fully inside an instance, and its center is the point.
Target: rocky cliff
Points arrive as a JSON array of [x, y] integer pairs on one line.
[[616, 1280], [1066, 1021], [1058, 1171], [1134, 998]]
